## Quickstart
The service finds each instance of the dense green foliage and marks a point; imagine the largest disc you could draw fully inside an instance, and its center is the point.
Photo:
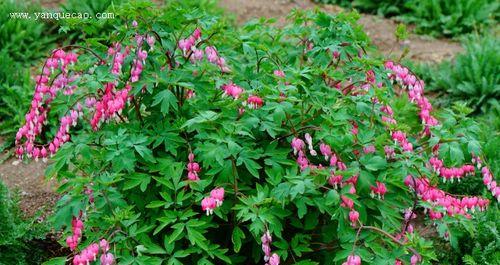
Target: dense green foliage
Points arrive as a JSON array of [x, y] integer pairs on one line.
[[134, 166], [128, 181], [433, 17]]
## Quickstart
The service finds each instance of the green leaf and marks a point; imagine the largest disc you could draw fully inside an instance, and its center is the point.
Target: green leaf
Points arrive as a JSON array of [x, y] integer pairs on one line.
[[156, 204], [195, 237], [145, 153], [236, 238], [56, 261], [167, 100], [176, 234], [205, 116], [373, 163]]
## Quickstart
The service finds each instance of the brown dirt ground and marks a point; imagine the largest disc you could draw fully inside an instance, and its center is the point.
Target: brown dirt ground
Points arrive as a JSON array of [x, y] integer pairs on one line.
[[38, 195], [27, 178]]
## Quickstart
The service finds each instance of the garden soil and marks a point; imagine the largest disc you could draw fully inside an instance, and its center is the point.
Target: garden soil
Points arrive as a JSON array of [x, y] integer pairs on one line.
[[37, 195]]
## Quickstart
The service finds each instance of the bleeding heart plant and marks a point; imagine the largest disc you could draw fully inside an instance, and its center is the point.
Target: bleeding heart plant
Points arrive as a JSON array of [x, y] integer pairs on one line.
[[181, 142]]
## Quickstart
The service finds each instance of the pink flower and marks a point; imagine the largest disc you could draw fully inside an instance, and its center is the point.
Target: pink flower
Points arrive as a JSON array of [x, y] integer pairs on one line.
[[134, 24], [52, 63], [197, 55], [59, 54], [104, 245], [107, 259], [208, 205], [414, 259], [346, 202], [309, 142], [232, 90], [274, 259], [333, 160], [369, 149], [335, 180], [196, 34], [211, 53], [279, 73], [151, 41], [379, 190], [218, 195], [353, 260], [370, 76], [255, 102], [184, 45], [78, 260], [389, 152], [70, 241], [297, 145], [353, 217], [325, 150]]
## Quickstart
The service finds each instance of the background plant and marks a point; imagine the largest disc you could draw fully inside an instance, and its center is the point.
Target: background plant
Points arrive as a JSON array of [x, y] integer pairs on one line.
[[18, 235], [433, 17], [472, 76], [380, 7], [452, 18]]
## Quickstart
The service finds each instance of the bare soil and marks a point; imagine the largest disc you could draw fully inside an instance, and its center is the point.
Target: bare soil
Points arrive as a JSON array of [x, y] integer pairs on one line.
[[37, 195], [27, 178]]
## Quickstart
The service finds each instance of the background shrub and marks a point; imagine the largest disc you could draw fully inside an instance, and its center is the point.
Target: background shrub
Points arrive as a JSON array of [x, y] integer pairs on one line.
[[472, 76]]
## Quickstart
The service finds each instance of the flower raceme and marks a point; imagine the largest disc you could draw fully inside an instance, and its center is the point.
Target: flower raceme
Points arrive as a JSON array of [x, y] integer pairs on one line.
[[450, 173], [405, 78], [490, 183], [91, 252], [44, 94], [77, 229], [269, 259], [107, 107], [193, 168], [437, 197]]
